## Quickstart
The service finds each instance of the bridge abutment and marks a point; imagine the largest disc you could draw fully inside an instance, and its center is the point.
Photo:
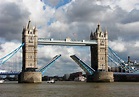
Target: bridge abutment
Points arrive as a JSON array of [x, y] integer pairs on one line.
[[101, 76]]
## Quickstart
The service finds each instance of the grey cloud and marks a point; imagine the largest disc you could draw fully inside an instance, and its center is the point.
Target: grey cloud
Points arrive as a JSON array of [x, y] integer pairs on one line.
[[86, 15], [78, 31], [12, 20], [116, 24], [85, 11], [131, 17], [131, 50]]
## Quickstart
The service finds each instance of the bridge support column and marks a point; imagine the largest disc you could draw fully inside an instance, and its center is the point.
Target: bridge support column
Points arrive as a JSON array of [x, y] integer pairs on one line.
[[30, 40], [101, 77], [99, 57], [30, 77]]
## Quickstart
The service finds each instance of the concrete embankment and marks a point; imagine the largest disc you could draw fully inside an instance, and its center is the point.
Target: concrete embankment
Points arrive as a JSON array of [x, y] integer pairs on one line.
[[126, 77]]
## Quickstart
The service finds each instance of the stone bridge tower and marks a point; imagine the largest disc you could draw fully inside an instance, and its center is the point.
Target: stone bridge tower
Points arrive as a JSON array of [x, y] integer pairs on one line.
[[99, 52], [99, 55], [30, 40]]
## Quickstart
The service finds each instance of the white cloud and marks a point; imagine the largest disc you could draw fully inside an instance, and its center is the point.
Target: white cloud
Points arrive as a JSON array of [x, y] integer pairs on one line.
[[127, 5], [118, 45], [136, 44], [8, 47], [58, 27], [129, 27]]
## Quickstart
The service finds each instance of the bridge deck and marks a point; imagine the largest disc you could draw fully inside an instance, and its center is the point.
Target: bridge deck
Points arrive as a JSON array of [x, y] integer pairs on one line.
[[66, 42]]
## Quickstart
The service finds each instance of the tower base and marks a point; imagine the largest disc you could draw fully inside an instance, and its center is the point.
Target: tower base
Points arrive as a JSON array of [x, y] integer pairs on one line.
[[101, 76], [30, 77]]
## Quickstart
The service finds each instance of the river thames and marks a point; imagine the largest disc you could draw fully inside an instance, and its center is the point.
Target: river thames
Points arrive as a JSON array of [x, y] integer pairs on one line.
[[70, 89]]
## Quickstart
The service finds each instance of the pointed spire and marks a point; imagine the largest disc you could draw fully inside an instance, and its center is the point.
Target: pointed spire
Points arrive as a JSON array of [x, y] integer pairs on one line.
[[98, 27], [98, 24], [91, 35], [28, 24], [35, 30], [23, 30], [34, 27], [106, 33]]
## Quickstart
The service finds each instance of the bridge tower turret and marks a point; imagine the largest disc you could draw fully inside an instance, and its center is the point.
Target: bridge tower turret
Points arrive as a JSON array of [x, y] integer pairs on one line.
[[99, 56], [29, 58]]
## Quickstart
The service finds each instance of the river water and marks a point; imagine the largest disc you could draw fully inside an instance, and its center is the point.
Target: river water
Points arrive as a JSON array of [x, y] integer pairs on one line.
[[70, 89]]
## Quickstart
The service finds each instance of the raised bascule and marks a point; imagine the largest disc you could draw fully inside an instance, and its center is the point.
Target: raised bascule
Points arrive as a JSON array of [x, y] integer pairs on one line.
[[99, 54]]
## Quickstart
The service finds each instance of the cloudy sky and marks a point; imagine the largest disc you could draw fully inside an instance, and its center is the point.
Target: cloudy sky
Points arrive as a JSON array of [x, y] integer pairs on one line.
[[76, 19]]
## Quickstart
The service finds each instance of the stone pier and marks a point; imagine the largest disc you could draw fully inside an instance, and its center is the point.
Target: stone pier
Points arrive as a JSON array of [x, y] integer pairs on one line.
[[30, 77]]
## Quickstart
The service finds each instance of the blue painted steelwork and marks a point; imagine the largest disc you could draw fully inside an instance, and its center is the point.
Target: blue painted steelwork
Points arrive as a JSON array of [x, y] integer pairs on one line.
[[8, 56], [43, 69], [116, 63], [114, 53], [121, 63], [89, 70]]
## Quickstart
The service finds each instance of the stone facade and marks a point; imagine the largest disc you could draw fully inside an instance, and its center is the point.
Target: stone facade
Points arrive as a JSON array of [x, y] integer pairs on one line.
[[99, 52], [103, 77], [30, 38], [30, 77]]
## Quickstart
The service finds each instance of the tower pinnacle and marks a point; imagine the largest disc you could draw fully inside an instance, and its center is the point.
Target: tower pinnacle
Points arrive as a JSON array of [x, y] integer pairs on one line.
[[98, 27], [28, 24]]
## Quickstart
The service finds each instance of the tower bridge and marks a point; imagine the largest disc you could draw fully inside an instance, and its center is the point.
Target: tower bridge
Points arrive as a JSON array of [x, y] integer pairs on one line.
[[98, 46]]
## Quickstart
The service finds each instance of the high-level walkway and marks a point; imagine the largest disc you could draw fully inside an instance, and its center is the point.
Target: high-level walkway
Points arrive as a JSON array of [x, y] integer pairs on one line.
[[66, 42]]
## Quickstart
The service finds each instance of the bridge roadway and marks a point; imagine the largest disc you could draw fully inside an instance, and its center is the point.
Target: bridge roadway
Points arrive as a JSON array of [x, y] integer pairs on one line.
[[66, 42]]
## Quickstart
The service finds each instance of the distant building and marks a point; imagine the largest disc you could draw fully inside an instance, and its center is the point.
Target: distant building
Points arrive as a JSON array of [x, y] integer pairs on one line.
[[72, 76], [66, 77]]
